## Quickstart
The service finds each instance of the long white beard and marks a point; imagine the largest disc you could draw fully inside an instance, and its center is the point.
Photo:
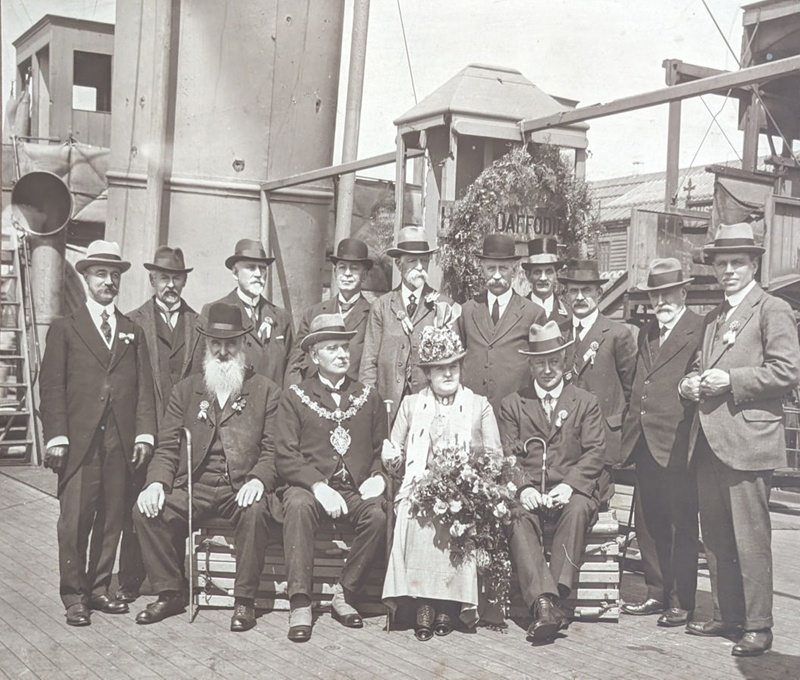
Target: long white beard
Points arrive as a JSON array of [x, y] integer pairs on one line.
[[224, 377]]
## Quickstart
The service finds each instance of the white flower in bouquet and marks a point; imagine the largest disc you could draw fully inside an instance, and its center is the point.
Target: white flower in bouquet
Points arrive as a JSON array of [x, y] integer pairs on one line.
[[455, 506], [482, 559], [500, 510], [440, 507], [512, 488], [457, 529]]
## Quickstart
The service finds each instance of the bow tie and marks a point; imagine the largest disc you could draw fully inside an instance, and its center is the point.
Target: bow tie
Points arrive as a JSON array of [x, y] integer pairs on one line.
[[332, 390]]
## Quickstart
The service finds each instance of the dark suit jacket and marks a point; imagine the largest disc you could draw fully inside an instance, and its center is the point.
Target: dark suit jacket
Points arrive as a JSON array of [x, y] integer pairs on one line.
[[301, 367], [162, 350], [561, 313], [574, 448], [305, 454], [656, 410], [610, 379], [80, 378], [247, 436], [744, 427], [493, 367], [271, 356]]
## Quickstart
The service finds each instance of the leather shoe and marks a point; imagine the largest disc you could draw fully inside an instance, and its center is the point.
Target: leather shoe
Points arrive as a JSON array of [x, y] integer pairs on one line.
[[244, 618], [549, 619], [753, 643], [107, 605], [78, 615], [645, 608], [127, 595], [343, 612], [712, 629], [423, 630], [300, 624], [674, 617], [165, 606]]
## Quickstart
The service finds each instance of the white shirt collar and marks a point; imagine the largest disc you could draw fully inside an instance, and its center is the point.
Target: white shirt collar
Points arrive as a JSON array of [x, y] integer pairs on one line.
[[351, 301], [405, 292], [541, 392], [327, 382], [586, 322], [736, 299], [547, 304], [169, 310], [501, 299], [248, 301], [96, 309], [669, 326]]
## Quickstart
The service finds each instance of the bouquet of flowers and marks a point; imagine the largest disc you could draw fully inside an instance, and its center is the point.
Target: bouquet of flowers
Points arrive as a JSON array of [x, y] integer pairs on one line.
[[469, 491]]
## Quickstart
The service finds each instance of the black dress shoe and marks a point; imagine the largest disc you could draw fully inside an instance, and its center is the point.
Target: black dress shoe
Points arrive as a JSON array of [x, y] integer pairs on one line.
[[645, 608], [548, 620], [442, 624], [753, 643], [164, 607], [78, 615], [712, 629], [674, 617], [107, 605], [127, 595], [244, 618], [343, 612], [423, 630], [300, 624]]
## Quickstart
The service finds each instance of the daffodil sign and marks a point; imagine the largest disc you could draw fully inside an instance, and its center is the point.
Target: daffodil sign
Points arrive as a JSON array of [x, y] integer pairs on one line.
[[528, 224]]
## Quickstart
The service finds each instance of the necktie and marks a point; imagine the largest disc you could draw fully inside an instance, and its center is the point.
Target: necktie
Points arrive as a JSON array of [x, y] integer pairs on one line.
[[412, 305], [496, 311], [345, 307], [548, 405], [724, 308], [662, 335], [105, 327], [578, 330]]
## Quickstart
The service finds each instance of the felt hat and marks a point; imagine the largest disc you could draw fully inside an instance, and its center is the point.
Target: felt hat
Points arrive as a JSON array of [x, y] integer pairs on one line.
[[168, 259], [224, 322], [665, 273], [325, 327], [248, 249], [543, 250], [545, 339], [411, 241], [734, 238], [102, 252], [581, 271], [499, 247], [352, 250], [439, 346]]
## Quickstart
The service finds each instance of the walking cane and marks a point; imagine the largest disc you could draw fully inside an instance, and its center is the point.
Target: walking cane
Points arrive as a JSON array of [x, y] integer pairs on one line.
[[390, 507], [188, 436], [543, 442]]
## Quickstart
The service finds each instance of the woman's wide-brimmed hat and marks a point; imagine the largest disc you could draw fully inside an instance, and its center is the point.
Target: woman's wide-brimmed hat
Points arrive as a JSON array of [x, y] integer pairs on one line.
[[734, 238], [439, 347], [545, 339], [102, 252], [582, 271], [325, 327], [248, 249], [168, 259], [352, 250], [224, 322], [411, 241], [499, 247], [543, 250], [665, 273]]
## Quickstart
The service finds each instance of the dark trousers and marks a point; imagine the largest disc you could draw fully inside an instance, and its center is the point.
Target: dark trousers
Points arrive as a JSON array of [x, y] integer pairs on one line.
[[131, 566], [301, 516], [737, 535], [667, 530], [92, 501], [569, 540], [161, 536]]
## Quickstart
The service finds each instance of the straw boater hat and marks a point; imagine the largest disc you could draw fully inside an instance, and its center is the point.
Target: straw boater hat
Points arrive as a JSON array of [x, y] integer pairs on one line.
[[733, 238], [325, 327], [543, 250], [102, 252], [665, 273], [439, 347], [224, 322], [545, 339], [352, 250], [247, 249], [499, 247], [411, 241], [168, 259], [582, 271]]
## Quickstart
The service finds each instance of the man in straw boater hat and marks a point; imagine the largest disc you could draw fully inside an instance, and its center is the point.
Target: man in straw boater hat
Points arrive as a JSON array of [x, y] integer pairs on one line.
[[494, 325], [749, 359], [351, 264], [554, 425], [541, 268], [99, 424], [603, 356], [169, 329], [329, 440], [390, 359], [230, 412], [655, 436], [268, 342]]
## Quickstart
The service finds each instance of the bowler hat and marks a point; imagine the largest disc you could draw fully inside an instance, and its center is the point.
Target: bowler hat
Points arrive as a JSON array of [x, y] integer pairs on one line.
[[439, 346], [734, 238], [102, 252], [352, 250], [248, 249], [411, 241], [545, 339], [582, 271], [325, 327], [168, 259], [665, 273], [224, 322], [543, 250], [499, 247]]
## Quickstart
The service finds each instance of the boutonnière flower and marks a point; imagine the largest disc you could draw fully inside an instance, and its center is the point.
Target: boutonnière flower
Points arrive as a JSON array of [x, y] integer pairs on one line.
[[591, 353], [431, 298], [265, 330], [730, 336], [239, 404], [402, 317], [127, 338], [203, 413], [561, 416]]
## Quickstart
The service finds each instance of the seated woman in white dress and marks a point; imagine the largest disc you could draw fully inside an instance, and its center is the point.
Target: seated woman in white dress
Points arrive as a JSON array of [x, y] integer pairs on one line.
[[442, 414]]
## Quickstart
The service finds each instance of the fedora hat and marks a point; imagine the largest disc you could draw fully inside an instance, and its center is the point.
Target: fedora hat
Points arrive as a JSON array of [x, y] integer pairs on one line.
[[545, 339], [665, 273], [168, 259], [411, 241], [352, 250], [499, 247], [224, 322], [102, 252], [543, 250], [439, 347], [582, 271], [325, 327], [734, 238], [248, 249]]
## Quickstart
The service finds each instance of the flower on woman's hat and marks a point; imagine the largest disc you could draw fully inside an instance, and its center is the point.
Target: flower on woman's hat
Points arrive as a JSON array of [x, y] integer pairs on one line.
[[439, 346]]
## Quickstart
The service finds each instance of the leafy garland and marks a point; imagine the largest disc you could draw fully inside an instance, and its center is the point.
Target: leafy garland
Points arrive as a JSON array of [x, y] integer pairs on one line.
[[519, 181]]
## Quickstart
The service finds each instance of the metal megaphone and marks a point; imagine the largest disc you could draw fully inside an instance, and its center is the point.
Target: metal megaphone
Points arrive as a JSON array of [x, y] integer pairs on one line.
[[41, 203]]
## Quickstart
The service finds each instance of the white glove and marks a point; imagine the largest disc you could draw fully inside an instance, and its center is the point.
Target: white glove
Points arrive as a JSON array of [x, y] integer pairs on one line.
[[330, 499], [372, 487], [151, 500], [391, 456]]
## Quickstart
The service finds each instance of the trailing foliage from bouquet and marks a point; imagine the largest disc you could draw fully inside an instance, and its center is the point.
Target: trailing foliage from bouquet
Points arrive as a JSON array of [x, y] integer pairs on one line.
[[471, 493]]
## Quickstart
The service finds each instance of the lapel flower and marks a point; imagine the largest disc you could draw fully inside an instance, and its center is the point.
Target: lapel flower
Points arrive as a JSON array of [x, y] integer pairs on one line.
[[127, 338], [430, 298], [730, 336], [203, 413], [568, 376], [239, 404], [561, 416], [402, 317], [265, 330], [591, 353]]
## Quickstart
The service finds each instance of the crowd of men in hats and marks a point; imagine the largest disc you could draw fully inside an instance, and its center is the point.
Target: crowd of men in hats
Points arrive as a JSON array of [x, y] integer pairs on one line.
[[290, 430]]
